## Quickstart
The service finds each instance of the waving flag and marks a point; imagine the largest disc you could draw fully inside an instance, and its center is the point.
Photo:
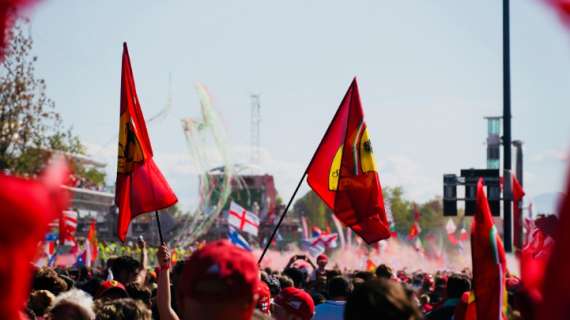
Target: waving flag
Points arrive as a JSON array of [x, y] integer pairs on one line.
[[319, 242], [415, 229], [489, 264], [67, 226], [140, 185], [92, 241], [242, 219], [518, 194], [238, 240], [344, 175]]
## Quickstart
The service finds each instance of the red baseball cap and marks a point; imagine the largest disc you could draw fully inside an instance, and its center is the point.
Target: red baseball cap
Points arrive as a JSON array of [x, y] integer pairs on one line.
[[219, 271], [296, 301], [112, 286], [322, 257], [264, 297]]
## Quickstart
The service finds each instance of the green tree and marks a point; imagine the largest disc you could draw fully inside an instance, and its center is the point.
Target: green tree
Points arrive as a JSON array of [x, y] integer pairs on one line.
[[30, 128]]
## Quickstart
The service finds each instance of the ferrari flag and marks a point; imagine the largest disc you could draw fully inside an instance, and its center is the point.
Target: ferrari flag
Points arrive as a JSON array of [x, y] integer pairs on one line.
[[343, 172], [140, 185]]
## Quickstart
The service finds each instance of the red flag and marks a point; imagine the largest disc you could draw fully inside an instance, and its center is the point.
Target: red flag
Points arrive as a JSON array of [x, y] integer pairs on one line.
[[140, 185], [489, 264], [518, 194], [415, 229], [92, 239], [26, 208], [556, 282], [343, 172]]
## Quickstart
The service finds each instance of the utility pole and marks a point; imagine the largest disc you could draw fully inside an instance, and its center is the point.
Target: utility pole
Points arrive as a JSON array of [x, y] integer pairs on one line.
[[507, 194]]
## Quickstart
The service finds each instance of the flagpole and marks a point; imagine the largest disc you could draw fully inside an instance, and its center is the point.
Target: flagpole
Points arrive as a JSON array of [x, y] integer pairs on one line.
[[305, 172], [282, 217], [159, 228]]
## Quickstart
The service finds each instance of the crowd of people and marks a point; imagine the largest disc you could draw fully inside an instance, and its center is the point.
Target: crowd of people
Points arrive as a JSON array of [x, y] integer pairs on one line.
[[222, 281]]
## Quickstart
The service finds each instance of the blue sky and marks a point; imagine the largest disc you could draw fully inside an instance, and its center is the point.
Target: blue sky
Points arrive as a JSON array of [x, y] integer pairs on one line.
[[429, 71]]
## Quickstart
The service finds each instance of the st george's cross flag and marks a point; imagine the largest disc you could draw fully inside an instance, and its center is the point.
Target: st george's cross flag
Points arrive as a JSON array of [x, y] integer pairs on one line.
[[344, 175], [140, 186], [242, 219]]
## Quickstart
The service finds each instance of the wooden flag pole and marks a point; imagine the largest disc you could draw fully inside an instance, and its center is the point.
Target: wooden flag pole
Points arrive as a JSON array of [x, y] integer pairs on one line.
[[159, 228], [282, 217]]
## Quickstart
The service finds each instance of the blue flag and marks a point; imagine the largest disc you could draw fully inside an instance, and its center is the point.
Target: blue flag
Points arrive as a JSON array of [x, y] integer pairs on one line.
[[238, 240]]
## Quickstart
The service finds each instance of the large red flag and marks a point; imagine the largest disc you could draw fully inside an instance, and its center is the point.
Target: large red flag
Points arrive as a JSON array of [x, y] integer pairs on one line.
[[26, 209], [556, 282], [488, 259], [343, 172], [140, 185]]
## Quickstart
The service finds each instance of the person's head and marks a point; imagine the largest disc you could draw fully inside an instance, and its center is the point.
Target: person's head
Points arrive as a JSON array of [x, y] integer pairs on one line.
[[139, 292], [273, 284], [125, 269], [123, 309], [111, 290], [322, 261], [285, 282], [299, 276], [380, 299], [219, 281], [456, 286], [384, 272], [73, 304], [293, 304], [48, 279], [424, 299], [40, 301], [339, 288], [263, 297]]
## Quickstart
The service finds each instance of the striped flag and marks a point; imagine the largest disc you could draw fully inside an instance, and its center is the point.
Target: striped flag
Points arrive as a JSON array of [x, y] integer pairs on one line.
[[242, 219], [67, 226]]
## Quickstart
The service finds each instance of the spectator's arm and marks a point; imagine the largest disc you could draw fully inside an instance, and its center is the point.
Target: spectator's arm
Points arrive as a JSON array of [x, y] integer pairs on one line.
[[141, 277], [165, 311]]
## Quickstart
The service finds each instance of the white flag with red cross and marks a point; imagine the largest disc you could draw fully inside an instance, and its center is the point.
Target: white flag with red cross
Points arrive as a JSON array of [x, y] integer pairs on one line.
[[242, 219]]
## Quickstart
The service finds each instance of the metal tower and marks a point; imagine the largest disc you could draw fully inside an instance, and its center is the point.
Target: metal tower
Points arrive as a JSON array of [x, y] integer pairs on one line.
[[255, 121]]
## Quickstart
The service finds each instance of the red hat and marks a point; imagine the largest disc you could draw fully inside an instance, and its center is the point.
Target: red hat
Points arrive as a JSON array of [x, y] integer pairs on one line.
[[264, 297], [112, 285], [219, 270], [322, 257], [296, 301]]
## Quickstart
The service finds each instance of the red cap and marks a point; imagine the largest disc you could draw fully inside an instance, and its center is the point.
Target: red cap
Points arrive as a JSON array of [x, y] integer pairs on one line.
[[219, 270], [322, 257], [264, 297], [113, 285], [296, 301]]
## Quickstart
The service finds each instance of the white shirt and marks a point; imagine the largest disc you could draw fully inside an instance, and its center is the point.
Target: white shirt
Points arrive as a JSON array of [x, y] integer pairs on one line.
[[330, 310]]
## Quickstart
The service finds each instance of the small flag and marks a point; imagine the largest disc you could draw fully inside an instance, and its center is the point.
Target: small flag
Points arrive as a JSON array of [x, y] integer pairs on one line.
[[344, 175], [242, 219], [238, 240], [67, 226], [318, 244], [415, 229], [92, 242]]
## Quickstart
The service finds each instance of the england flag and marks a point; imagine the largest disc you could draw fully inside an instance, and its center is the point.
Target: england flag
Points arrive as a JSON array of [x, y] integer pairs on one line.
[[242, 219]]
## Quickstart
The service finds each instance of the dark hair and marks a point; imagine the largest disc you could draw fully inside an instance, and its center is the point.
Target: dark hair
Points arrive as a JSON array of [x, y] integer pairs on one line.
[[456, 285], [47, 279], [364, 275], [125, 263], [123, 309], [285, 282], [380, 299], [40, 301], [339, 287], [384, 271], [139, 292], [297, 275]]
